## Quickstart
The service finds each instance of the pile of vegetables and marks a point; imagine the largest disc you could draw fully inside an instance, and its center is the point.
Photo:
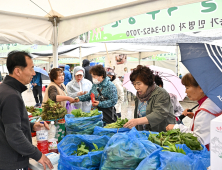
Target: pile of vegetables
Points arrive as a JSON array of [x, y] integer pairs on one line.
[[52, 110], [118, 124], [173, 148], [34, 111], [80, 113], [83, 149], [175, 137]]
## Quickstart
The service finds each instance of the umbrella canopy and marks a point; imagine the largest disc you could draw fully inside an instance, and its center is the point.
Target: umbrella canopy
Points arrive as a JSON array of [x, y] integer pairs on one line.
[[127, 83], [204, 61], [40, 70], [171, 82], [62, 65]]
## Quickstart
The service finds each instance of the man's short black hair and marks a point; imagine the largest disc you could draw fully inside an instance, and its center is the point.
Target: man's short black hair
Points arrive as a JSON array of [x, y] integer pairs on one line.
[[16, 59]]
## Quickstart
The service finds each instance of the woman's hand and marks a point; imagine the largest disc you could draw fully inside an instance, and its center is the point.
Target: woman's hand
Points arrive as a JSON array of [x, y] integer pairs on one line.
[[170, 127], [71, 100], [80, 93], [131, 123], [189, 114], [76, 100], [95, 103]]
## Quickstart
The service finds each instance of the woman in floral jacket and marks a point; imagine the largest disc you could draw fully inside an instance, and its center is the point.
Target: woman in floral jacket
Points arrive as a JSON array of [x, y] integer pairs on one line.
[[108, 90]]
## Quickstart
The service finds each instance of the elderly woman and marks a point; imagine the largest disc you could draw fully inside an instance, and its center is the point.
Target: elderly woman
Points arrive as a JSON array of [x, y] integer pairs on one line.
[[110, 73], [207, 111], [153, 108], [79, 86], [108, 99], [56, 91]]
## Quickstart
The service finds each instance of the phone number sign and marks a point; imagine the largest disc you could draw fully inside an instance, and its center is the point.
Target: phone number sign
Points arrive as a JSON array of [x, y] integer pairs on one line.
[[188, 18], [190, 26]]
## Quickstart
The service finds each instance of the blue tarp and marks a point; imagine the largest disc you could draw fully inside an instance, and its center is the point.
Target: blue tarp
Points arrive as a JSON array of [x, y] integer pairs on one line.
[[70, 143]]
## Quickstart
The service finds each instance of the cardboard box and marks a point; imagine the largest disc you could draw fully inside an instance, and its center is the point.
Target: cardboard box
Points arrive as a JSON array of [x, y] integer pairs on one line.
[[216, 143]]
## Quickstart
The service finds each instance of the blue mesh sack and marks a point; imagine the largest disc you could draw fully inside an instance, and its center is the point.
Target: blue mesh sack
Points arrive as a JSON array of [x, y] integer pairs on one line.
[[82, 125], [159, 160], [125, 151], [203, 155], [109, 131], [90, 161]]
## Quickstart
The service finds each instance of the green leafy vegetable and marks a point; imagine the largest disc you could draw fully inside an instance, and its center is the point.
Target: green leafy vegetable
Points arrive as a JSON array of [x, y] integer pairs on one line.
[[83, 149], [80, 113], [97, 148], [118, 124], [173, 148], [34, 111], [175, 137], [52, 110]]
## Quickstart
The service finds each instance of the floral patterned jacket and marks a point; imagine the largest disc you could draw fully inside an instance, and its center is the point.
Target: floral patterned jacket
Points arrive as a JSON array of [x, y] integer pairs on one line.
[[108, 90]]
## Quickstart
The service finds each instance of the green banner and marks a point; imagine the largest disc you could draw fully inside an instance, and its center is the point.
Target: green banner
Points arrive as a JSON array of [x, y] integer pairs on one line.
[[164, 56], [188, 18], [39, 62], [6, 48], [68, 61]]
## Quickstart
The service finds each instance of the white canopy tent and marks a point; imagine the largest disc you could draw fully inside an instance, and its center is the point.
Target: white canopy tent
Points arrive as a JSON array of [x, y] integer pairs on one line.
[[36, 21], [95, 50]]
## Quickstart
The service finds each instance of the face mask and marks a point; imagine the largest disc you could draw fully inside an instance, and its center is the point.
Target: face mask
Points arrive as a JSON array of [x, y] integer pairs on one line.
[[95, 81]]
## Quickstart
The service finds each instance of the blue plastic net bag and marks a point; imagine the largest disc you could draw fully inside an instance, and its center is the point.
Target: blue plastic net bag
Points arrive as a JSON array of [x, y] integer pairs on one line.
[[159, 160], [70, 143], [125, 151], [109, 131], [145, 134], [82, 125]]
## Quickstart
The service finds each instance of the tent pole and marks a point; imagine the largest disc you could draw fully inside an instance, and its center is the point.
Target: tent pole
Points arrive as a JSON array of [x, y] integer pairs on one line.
[[107, 55], [139, 57], [2, 66], [177, 53], [49, 65], [55, 44], [80, 56]]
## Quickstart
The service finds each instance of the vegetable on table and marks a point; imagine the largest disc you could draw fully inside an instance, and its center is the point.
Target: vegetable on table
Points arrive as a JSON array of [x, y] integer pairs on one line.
[[118, 124], [52, 110], [175, 137], [80, 113], [173, 148], [83, 149], [34, 111]]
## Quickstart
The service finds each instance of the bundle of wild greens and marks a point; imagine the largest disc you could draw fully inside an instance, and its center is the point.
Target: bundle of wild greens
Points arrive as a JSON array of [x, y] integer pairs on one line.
[[118, 124], [80, 113], [53, 111], [34, 111], [173, 148], [175, 137], [83, 149]]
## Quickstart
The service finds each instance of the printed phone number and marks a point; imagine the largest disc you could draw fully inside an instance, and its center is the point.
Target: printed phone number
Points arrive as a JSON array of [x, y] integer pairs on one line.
[[151, 30]]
